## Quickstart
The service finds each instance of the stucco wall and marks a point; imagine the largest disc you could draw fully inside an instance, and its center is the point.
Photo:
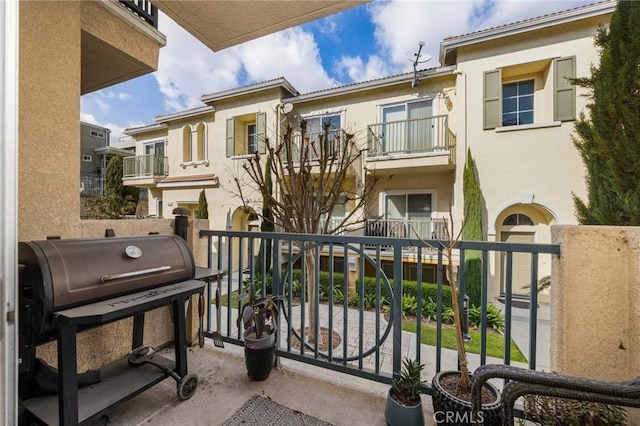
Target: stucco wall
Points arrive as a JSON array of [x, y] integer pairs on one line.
[[595, 327], [49, 125]]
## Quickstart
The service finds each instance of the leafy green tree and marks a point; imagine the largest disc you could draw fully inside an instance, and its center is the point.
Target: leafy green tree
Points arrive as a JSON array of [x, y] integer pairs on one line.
[[609, 140], [203, 206], [472, 230], [119, 200]]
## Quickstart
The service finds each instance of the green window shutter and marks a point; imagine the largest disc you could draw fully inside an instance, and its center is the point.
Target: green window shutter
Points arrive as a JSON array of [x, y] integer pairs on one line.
[[261, 132], [564, 93], [231, 126], [492, 98]]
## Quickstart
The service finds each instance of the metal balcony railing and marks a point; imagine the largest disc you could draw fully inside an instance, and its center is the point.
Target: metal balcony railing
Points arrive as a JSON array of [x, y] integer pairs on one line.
[[360, 297], [149, 165], [91, 185], [319, 145], [427, 229], [144, 10], [419, 135]]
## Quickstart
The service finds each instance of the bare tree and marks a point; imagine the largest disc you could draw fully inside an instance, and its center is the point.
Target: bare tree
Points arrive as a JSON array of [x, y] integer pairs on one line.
[[314, 173]]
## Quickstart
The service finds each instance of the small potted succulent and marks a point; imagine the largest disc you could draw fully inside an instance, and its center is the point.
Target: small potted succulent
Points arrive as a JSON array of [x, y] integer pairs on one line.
[[258, 317], [404, 406]]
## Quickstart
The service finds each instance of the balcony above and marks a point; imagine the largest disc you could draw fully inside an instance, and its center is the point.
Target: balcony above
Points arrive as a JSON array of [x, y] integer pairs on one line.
[[224, 23], [416, 145], [144, 170], [119, 42]]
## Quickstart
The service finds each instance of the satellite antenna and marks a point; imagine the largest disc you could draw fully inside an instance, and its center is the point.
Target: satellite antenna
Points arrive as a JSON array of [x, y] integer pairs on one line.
[[286, 108], [418, 59]]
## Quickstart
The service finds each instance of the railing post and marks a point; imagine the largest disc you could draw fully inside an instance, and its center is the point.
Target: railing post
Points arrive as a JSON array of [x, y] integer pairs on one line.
[[396, 312]]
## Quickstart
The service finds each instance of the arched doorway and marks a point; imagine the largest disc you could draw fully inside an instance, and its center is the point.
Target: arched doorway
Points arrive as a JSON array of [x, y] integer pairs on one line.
[[244, 219], [525, 224]]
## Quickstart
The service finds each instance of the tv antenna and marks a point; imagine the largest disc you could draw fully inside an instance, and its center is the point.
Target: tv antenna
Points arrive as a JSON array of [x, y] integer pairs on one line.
[[417, 59]]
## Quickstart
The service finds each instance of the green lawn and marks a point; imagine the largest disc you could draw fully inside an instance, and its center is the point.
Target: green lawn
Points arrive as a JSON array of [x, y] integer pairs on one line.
[[495, 343]]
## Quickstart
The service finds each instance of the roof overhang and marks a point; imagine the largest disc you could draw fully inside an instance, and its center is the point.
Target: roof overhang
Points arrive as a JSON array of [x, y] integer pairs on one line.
[[111, 150], [224, 23], [449, 46], [144, 129], [277, 83], [184, 114]]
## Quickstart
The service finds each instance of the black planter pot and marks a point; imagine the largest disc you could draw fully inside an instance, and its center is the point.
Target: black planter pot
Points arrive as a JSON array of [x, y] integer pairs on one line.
[[397, 414], [450, 410], [259, 362]]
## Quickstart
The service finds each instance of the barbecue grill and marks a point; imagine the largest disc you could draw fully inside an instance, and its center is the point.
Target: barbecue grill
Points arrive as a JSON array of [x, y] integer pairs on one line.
[[67, 286]]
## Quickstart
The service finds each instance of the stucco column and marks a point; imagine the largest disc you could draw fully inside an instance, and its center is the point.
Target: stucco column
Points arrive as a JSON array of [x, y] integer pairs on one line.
[[595, 315]]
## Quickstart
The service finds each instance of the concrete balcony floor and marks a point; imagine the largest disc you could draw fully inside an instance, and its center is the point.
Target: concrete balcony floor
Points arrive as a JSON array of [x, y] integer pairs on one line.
[[224, 387]]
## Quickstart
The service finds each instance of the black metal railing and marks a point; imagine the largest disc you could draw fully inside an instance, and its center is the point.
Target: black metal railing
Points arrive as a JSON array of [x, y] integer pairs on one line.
[[144, 10], [360, 298]]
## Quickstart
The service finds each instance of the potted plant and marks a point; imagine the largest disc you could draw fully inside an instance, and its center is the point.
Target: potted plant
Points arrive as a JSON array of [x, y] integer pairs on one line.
[[451, 390], [404, 406], [259, 319]]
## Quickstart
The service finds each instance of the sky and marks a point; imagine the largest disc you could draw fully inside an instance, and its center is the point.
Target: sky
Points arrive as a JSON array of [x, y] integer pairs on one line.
[[366, 42]]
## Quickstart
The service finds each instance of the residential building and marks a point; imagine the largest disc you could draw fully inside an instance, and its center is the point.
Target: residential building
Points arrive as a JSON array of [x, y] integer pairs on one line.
[[500, 93], [95, 153], [54, 52]]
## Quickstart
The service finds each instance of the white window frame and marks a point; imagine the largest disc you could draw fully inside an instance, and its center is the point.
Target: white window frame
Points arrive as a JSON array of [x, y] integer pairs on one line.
[[251, 148], [435, 110]]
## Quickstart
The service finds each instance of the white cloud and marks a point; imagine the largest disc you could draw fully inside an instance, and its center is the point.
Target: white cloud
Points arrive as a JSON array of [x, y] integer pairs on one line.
[[356, 69], [110, 94], [187, 69], [292, 53], [400, 25], [104, 107]]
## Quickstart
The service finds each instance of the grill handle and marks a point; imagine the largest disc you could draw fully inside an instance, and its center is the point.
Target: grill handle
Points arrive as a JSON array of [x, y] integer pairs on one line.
[[106, 278]]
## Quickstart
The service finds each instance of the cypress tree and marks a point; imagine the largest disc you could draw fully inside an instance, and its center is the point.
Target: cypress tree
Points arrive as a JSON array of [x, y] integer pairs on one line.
[[472, 231], [203, 206], [609, 140]]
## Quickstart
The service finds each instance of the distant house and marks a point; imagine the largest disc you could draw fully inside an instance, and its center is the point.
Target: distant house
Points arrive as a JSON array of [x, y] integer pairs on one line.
[[95, 154]]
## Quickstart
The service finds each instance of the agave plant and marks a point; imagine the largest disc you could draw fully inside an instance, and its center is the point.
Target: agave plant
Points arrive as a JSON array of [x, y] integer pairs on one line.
[[260, 313], [406, 387]]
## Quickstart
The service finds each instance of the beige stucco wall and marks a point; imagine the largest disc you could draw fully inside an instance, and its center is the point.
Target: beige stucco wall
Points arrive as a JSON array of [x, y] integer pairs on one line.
[[49, 124], [595, 327]]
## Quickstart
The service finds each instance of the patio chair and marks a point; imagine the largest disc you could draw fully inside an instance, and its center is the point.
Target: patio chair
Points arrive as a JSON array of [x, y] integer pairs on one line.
[[529, 382]]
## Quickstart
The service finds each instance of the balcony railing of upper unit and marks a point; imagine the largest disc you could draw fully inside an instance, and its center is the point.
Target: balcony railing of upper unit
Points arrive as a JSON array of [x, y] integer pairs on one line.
[[414, 136], [320, 144], [144, 10], [145, 166], [91, 184]]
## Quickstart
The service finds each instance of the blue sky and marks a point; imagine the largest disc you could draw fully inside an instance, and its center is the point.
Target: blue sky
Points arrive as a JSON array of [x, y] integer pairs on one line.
[[362, 43]]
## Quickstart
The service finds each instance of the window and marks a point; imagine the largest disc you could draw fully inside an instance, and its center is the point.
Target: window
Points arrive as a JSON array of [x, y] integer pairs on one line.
[[97, 134], [517, 219], [315, 132], [87, 158], [517, 103], [200, 142], [186, 144], [252, 139], [508, 95], [408, 214], [408, 127], [247, 134]]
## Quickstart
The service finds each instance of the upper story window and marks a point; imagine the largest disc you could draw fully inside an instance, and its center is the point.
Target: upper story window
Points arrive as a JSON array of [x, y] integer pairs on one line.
[[96, 134], [247, 134], [510, 93], [407, 128], [252, 138], [517, 103], [201, 142], [186, 143], [322, 134]]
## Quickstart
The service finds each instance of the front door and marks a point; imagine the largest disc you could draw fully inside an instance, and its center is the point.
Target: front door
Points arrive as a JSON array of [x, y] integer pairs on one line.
[[521, 277]]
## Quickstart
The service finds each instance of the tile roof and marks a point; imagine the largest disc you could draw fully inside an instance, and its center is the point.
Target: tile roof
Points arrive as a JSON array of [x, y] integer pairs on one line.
[[523, 21], [190, 178]]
